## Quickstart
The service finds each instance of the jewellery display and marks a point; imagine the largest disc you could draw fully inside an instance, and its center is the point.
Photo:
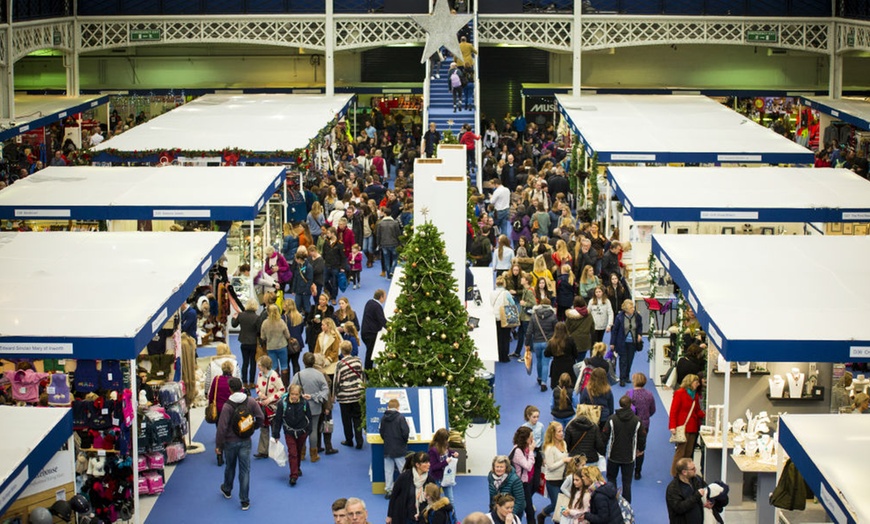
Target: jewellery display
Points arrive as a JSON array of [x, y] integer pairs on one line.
[[795, 383], [777, 385]]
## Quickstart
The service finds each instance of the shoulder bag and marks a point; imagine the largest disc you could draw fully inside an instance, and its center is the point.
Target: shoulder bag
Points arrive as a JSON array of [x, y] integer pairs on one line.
[[679, 435], [509, 316], [211, 414]]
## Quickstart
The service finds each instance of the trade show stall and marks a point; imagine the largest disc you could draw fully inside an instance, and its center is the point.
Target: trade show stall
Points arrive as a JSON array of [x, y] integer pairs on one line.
[[663, 129], [854, 111], [826, 451], [229, 128], [31, 438], [120, 291], [751, 295], [33, 112]]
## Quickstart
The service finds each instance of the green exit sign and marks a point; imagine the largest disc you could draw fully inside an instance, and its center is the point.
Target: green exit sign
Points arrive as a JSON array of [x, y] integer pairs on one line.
[[144, 35], [762, 36], [850, 40]]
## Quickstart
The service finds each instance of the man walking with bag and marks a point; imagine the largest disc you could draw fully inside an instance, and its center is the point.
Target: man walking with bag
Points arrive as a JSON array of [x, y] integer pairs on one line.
[[239, 420], [625, 438], [316, 391], [348, 387]]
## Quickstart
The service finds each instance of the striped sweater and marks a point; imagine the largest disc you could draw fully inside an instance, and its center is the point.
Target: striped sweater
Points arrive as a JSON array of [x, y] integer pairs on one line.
[[348, 384]]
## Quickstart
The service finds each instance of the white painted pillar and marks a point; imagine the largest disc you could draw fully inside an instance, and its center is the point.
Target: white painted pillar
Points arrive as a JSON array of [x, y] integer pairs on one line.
[[835, 65], [330, 49], [73, 84], [576, 47]]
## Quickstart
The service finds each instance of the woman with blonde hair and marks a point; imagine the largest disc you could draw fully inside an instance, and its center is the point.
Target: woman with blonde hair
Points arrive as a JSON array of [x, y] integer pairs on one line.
[[561, 255], [555, 459], [295, 325], [327, 345], [315, 220], [588, 282], [540, 270], [274, 331], [222, 356]]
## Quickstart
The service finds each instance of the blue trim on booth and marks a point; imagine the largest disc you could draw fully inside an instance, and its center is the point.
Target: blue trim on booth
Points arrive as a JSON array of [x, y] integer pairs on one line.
[[126, 348], [52, 118], [693, 214], [38, 457], [809, 471], [836, 113], [761, 350], [146, 212]]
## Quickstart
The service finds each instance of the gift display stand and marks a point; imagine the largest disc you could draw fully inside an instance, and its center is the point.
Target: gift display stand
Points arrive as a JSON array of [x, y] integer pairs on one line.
[[425, 410]]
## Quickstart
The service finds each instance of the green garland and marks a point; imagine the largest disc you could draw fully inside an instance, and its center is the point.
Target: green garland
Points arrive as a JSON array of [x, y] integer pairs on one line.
[[449, 137], [594, 191]]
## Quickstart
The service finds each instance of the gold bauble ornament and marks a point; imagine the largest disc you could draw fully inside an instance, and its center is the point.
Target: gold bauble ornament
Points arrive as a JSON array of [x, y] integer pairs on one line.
[[456, 345], [443, 336]]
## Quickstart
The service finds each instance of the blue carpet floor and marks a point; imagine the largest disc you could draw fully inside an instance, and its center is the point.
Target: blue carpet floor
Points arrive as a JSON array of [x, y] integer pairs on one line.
[[192, 494]]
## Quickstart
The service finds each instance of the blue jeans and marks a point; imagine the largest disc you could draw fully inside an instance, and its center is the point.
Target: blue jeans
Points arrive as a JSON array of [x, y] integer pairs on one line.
[[553, 488], [279, 358], [543, 362], [303, 302], [368, 244], [390, 259], [392, 464], [331, 284], [448, 492], [521, 335], [238, 452], [504, 223]]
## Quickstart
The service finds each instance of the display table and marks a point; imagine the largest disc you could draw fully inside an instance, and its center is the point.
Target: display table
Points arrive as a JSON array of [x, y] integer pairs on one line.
[[764, 511], [713, 463]]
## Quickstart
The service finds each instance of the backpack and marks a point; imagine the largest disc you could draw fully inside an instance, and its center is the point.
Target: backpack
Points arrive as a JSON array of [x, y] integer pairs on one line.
[[517, 225], [288, 429], [455, 80], [242, 421]]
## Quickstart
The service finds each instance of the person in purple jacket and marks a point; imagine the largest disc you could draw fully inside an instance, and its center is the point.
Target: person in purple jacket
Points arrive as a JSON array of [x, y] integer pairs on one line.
[[438, 455], [644, 406]]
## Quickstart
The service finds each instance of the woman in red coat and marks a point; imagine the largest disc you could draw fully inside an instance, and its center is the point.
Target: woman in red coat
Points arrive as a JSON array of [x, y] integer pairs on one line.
[[686, 409]]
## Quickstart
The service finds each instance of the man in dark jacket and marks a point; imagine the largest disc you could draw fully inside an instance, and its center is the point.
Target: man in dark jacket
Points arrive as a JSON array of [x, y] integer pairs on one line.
[[539, 331], [373, 321], [610, 261], [684, 495], [395, 432], [582, 437], [558, 184], [334, 257], [625, 439], [387, 233], [586, 257], [233, 448], [188, 320]]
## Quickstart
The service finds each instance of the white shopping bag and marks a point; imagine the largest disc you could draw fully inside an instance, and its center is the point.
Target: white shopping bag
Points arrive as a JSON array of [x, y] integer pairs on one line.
[[449, 478], [278, 452]]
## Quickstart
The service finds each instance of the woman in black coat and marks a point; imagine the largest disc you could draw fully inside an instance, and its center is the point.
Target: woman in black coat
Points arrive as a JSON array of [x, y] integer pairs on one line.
[[691, 363], [562, 349], [408, 491]]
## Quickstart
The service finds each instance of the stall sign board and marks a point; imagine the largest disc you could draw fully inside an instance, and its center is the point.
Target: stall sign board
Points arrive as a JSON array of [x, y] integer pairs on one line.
[[753, 35], [56, 473], [145, 35]]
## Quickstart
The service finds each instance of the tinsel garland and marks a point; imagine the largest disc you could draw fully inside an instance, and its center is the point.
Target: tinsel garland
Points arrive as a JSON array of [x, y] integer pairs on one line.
[[653, 275]]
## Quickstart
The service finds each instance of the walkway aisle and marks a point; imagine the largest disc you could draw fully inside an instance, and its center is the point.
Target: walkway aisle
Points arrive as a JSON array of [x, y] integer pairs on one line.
[[441, 105], [192, 495]]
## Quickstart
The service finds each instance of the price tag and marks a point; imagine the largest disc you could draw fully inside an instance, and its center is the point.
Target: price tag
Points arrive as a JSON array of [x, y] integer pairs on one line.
[[108, 376], [143, 425], [115, 422], [105, 411], [49, 390], [22, 390], [161, 373], [101, 452], [62, 362]]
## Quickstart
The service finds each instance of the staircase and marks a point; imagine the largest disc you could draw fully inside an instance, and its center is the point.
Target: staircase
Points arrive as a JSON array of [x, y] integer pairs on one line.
[[441, 106]]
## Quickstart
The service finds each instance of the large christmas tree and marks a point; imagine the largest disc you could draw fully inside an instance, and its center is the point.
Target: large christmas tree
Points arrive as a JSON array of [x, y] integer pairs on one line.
[[427, 342]]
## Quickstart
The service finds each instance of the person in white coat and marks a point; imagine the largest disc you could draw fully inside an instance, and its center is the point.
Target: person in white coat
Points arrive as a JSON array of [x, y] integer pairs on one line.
[[602, 313]]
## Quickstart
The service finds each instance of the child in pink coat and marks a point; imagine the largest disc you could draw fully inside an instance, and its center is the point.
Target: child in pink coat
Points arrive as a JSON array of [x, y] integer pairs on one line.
[[354, 260]]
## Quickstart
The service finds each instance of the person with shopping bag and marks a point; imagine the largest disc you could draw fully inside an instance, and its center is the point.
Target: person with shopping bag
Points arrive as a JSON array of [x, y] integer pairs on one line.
[[293, 416], [686, 417], [270, 389]]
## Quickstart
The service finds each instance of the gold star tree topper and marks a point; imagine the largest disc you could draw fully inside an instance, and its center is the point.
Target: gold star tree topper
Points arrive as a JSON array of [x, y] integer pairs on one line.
[[442, 27]]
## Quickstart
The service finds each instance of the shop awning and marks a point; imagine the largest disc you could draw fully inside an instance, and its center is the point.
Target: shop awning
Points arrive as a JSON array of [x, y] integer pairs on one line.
[[775, 298], [828, 451], [855, 111], [31, 436], [142, 193], [35, 111], [262, 123], [95, 295], [751, 194], [673, 128]]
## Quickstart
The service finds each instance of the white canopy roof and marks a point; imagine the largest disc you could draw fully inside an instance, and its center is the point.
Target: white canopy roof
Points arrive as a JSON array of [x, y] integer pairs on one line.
[[855, 111], [116, 289], [142, 193], [674, 128], [827, 450], [31, 436], [35, 111], [767, 194], [260, 123], [775, 298]]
